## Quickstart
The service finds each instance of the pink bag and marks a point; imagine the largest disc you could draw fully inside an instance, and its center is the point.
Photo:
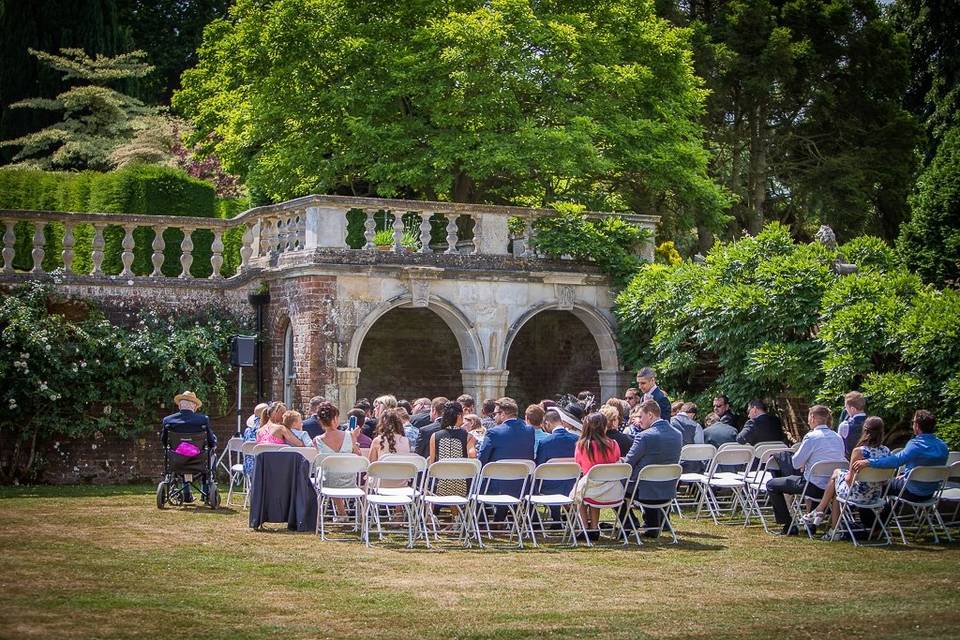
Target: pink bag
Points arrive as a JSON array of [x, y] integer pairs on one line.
[[187, 449]]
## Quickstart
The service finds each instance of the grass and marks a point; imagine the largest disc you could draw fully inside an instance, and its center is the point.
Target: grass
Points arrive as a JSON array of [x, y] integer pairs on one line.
[[85, 562]]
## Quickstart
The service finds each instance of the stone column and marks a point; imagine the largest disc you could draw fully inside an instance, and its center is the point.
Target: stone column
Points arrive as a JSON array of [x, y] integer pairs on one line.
[[347, 378], [484, 383], [614, 382], [326, 227]]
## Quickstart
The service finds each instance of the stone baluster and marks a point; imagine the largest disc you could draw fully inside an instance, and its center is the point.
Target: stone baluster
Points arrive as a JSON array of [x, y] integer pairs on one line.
[[451, 232], [246, 248], [38, 247], [68, 244], [425, 232], [398, 231], [9, 238], [279, 234], [529, 250], [369, 229], [97, 246], [216, 261], [301, 230], [127, 256], [158, 246], [477, 233], [186, 256]]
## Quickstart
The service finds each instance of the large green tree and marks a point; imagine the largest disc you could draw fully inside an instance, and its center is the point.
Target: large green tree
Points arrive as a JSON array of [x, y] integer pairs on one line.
[[502, 101], [805, 112]]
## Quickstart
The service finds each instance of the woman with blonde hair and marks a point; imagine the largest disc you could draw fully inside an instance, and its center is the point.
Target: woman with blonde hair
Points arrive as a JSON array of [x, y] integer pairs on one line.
[[274, 431]]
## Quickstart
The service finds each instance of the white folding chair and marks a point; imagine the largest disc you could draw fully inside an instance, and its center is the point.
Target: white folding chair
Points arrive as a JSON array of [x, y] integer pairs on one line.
[[795, 446], [237, 475], [737, 456], [451, 469], [847, 521], [504, 470], [226, 459], [262, 448], [756, 481], [339, 465], [803, 502], [951, 494], [614, 472], [952, 458], [692, 481], [923, 513], [552, 470], [391, 470], [665, 473], [308, 453]]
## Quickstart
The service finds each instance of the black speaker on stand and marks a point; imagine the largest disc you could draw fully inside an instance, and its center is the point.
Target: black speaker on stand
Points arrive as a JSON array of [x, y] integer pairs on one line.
[[242, 354]]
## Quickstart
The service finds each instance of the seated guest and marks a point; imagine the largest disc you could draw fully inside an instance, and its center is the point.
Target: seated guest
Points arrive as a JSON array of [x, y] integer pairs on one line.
[[593, 448], [188, 420], [632, 398], [820, 444], [451, 441], [533, 416], [466, 401], [622, 407], [293, 421], [559, 443], [657, 443], [406, 406], [720, 432], [622, 438], [486, 413], [426, 431], [359, 437], [844, 484], [647, 381], [684, 422], [333, 440], [721, 406], [761, 426], [923, 450], [250, 435], [511, 439], [473, 425], [633, 427], [389, 439], [852, 419], [409, 431], [369, 423], [311, 425], [274, 431], [420, 416]]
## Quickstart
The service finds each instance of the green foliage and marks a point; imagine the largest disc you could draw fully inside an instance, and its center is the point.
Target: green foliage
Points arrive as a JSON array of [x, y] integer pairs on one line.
[[72, 373], [502, 102], [383, 238], [768, 317], [930, 242], [667, 253], [611, 242], [140, 189], [96, 117]]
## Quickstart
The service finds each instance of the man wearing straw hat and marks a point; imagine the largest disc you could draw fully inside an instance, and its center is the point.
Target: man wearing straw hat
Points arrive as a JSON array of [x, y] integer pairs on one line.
[[187, 420]]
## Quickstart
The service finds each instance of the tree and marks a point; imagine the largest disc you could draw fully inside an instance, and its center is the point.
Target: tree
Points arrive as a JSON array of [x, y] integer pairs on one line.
[[501, 101], [804, 113], [930, 242], [96, 118]]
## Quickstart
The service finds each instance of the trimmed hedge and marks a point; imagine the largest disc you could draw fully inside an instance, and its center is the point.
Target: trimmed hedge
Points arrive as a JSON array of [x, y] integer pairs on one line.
[[140, 189]]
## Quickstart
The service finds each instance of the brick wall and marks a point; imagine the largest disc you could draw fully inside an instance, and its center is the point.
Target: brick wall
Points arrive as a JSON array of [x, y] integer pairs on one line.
[[410, 353], [553, 353]]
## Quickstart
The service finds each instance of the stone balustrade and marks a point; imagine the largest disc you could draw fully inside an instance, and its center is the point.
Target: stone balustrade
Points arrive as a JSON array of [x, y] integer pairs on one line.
[[96, 244]]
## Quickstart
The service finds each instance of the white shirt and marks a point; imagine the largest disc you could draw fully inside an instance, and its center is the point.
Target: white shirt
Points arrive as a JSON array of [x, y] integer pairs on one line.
[[822, 443]]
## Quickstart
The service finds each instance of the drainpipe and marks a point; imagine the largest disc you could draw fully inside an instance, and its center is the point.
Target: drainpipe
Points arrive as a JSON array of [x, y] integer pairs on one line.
[[259, 301]]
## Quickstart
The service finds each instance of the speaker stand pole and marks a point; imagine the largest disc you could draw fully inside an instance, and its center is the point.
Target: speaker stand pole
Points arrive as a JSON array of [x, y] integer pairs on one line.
[[239, 391]]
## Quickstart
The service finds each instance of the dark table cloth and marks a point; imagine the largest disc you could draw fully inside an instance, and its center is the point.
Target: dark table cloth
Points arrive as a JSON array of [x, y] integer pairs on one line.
[[282, 491]]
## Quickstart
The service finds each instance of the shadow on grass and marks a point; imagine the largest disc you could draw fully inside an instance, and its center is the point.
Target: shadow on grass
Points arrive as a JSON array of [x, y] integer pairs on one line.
[[75, 491]]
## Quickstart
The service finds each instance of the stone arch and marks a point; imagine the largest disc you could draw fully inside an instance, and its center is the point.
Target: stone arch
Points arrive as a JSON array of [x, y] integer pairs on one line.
[[598, 326], [471, 351]]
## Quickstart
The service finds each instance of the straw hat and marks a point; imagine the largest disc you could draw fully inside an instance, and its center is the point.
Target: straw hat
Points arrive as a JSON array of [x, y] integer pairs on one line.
[[189, 396]]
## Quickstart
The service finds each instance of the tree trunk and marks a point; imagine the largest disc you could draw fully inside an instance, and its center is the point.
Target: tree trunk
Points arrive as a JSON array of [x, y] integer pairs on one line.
[[463, 187], [757, 179]]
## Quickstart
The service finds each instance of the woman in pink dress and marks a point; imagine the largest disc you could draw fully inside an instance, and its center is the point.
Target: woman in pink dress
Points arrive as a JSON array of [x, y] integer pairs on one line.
[[274, 432]]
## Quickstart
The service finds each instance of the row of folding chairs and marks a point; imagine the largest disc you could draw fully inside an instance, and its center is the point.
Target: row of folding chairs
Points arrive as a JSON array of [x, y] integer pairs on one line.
[[422, 494]]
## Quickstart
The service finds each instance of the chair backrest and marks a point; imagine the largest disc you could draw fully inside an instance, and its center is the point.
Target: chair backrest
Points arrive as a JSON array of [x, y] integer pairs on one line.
[[262, 448], [309, 453], [953, 457], [874, 474], [553, 470], [506, 470], [248, 447], [731, 445], [660, 472], [795, 446], [418, 460], [235, 444], [762, 447], [955, 470], [929, 474], [779, 443], [697, 452], [454, 469], [735, 456], [343, 464], [610, 472], [551, 460], [391, 470], [827, 467]]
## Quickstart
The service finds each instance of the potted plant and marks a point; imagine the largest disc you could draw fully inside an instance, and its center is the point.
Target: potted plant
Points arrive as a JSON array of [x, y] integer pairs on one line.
[[410, 241], [260, 295], [383, 239]]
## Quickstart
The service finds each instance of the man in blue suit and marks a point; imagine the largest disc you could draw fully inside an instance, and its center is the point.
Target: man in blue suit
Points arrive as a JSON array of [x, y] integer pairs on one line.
[[511, 439], [851, 420], [657, 443], [647, 381], [559, 443]]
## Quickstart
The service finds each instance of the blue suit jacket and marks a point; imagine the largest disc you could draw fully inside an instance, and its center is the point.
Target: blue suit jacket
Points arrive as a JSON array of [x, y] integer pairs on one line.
[[188, 422], [512, 440], [559, 444], [664, 402], [660, 444]]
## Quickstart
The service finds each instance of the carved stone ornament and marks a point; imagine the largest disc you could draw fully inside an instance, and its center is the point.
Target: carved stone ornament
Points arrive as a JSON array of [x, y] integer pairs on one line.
[[566, 294], [420, 291]]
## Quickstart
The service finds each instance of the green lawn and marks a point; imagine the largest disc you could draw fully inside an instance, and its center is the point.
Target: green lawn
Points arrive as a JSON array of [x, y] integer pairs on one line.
[[104, 562]]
